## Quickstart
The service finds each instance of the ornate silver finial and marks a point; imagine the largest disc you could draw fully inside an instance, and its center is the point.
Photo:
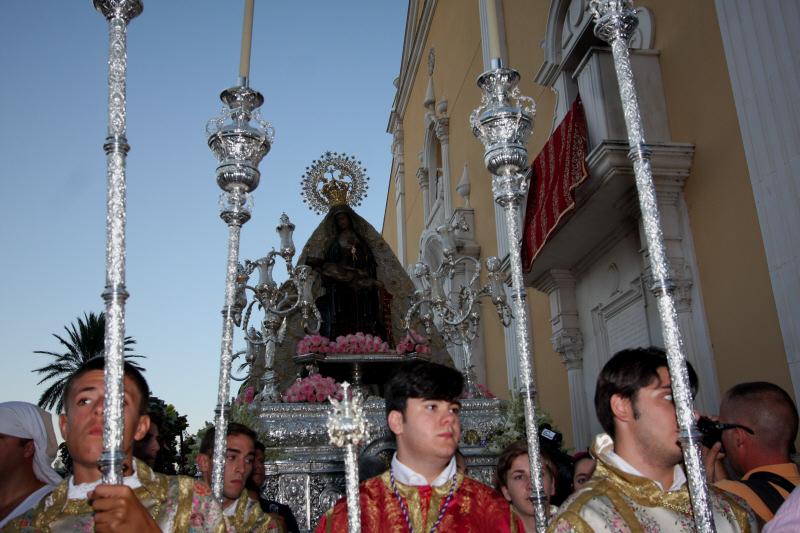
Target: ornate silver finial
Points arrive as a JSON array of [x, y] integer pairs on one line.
[[503, 122], [346, 421], [613, 19], [334, 179]]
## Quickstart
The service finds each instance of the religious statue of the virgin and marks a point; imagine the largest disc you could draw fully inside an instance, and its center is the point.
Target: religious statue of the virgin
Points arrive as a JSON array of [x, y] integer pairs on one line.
[[353, 299]]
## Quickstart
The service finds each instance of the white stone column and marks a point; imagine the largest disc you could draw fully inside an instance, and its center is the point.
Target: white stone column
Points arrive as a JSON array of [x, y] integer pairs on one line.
[[422, 179], [399, 193], [567, 339], [442, 126], [761, 42]]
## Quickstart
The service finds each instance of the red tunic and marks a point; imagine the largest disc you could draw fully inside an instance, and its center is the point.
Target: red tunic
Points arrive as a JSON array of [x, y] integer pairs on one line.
[[473, 508]]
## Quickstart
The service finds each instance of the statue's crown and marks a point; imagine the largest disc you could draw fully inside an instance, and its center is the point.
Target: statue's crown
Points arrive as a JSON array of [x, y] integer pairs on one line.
[[336, 191], [333, 180]]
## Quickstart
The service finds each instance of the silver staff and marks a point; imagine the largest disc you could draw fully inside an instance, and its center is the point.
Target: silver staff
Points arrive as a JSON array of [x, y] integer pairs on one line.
[[239, 147], [503, 122], [347, 426], [454, 312], [118, 13], [615, 22]]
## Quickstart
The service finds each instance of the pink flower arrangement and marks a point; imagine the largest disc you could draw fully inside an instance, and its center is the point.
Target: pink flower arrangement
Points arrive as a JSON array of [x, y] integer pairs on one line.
[[314, 388], [313, 343], [352, 343], [413, 342]]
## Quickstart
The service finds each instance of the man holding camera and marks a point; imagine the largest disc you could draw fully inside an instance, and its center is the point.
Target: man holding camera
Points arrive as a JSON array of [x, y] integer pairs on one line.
[[639, 483], [761, 425]]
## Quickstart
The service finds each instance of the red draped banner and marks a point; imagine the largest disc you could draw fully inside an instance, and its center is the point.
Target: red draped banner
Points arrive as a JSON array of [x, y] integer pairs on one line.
[[557, 170]]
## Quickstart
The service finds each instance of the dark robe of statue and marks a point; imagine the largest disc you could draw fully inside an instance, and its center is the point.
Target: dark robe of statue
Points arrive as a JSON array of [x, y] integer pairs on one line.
[[353, 299]]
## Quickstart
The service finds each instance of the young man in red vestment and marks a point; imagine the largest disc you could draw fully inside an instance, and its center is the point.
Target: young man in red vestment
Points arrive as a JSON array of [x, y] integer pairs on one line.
[[423, 490]]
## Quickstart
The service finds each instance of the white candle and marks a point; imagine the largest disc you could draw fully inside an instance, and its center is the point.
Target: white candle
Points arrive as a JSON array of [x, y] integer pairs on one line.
[[493, 29], [247, 37]]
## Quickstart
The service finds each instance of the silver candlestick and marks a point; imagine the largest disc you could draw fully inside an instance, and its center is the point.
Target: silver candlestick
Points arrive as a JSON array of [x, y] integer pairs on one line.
[[454, 311], [118, 13], [347, 426], [277, 302], [615, 22], [239, 147], [503, 122]]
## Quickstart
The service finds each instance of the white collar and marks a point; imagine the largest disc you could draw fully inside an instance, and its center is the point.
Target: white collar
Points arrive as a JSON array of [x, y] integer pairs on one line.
[[81, 491], [605, 448], [405, 475]]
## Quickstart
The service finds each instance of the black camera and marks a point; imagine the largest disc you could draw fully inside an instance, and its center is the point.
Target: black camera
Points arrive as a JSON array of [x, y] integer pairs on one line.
[[712, 430]]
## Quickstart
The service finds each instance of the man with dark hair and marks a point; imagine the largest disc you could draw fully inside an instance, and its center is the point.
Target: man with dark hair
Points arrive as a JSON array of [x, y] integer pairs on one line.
[[243, 513], [761, 458], [254, 484], [146, 501], [147, 449], [639, 483], [423, 490]]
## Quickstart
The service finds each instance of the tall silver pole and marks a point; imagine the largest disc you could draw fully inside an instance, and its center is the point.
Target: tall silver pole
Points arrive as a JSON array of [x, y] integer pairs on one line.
[[347, 426], [615, 22], [503, 123], [118, 13]]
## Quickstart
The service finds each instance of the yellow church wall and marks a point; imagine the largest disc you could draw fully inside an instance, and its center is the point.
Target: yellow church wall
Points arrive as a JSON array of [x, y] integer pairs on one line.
[[735, 282], [455, 36]]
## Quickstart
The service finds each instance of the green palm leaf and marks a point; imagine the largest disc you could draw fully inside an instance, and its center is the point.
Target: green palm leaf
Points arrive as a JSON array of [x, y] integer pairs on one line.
[[83, 341]]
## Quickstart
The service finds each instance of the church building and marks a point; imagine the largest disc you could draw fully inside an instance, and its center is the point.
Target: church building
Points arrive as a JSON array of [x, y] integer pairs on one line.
[[716, 81]]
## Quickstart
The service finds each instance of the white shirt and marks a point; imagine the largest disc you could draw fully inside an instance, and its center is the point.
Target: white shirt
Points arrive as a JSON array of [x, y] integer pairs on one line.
[[28, 503], [405, 475], [81, 491], [678, 476]]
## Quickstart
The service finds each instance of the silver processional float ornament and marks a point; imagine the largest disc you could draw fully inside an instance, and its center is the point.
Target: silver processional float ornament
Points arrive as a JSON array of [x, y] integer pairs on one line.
[[278, 301], [453, 312], [347, 427], [118, 13], [616, 21], [239, 146], [503, 122]]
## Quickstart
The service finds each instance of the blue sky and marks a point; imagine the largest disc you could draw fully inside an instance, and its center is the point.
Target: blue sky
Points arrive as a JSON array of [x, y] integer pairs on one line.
[[325, 70]]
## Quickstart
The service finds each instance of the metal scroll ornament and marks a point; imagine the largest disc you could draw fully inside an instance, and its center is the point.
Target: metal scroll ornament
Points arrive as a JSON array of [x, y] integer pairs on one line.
[[454, 311], [334, 179], [239, 146], [278, 301], [615, 22], [503, 122], [347, 426], [118, 13]]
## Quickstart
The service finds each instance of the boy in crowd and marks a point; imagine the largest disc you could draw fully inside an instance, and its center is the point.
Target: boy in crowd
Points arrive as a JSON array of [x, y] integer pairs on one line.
[[423, 489], [244, 514], [146, 502]]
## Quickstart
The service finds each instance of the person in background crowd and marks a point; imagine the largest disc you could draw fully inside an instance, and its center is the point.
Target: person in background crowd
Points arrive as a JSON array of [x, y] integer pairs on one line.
[[639, 483], [513, 480], [147, 449], [254, 484], [582, 469], [423, 489], [146, 501], [243, 513], [761, 458], [27, 449]]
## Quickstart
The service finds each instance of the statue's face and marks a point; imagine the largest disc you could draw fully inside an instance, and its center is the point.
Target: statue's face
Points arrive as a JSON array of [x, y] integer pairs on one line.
[[342, 221]]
